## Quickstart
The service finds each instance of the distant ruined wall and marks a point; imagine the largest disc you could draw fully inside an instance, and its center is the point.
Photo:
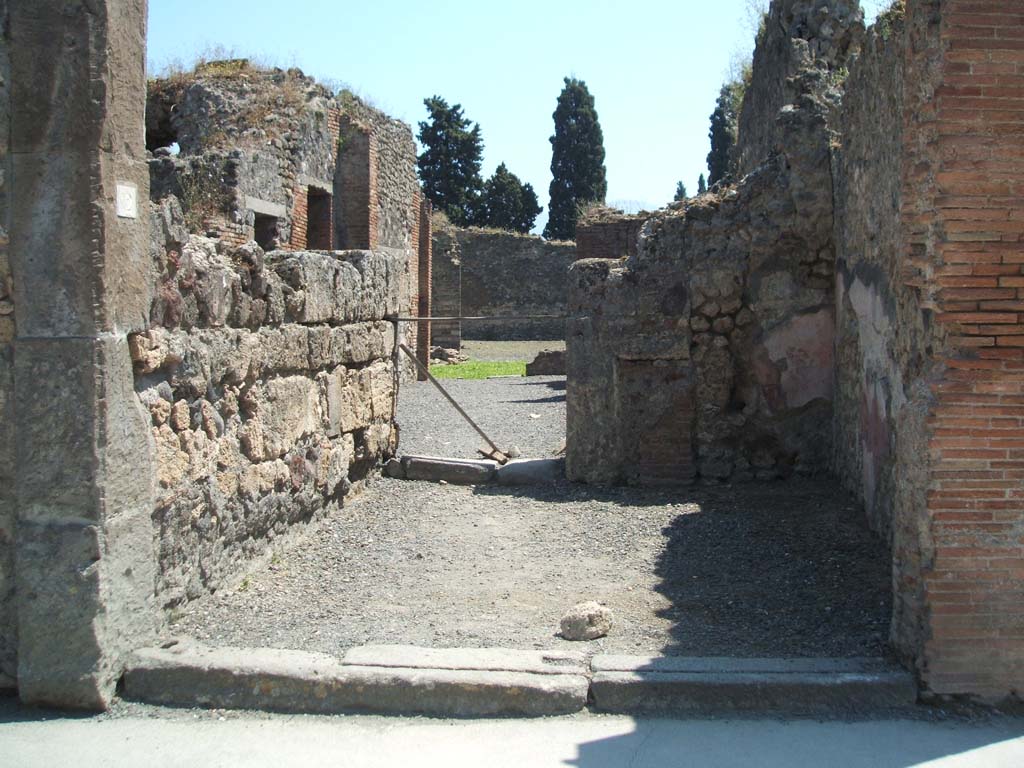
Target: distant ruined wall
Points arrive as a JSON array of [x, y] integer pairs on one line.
[[447, 285], [8, 615], [270, 385], [504, 273]]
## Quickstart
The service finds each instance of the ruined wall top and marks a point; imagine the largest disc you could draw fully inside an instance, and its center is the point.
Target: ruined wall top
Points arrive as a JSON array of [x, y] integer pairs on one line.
[[235, 104], [798, 37]]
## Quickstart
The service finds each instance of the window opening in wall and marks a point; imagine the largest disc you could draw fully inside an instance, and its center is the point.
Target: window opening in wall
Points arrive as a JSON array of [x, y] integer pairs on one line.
[[320, 221], [267, 234]]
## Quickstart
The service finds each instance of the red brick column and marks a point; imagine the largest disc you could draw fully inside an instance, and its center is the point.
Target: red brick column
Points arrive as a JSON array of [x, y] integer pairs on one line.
[[964, 221], [300, 219]]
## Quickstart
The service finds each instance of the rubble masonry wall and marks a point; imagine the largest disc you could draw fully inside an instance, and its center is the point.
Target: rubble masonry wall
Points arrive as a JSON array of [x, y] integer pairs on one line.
[[8, 613], [506, 274]]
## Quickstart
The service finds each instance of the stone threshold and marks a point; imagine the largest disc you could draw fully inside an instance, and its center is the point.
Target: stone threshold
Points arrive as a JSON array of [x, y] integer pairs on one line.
[[476, 471], [497, 682]]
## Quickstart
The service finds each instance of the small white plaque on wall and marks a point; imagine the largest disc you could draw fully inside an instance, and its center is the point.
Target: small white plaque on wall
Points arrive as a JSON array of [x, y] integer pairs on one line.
[[127, 201]]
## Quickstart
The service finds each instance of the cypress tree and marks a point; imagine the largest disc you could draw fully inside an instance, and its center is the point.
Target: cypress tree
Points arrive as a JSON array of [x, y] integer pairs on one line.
[[450, 163], [723, 132], [680, 192], [507, 203], [702, 186], [577, 160]]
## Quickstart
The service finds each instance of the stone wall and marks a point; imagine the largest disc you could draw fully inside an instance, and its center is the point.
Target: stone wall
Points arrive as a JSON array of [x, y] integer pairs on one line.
[[266, 143], [707, 354], [885, 333], [916, 172], [272, 156], [269, 381], [8, 616], [83, 457], [507, 274], [252, 143], [446, 291], [796, 35]]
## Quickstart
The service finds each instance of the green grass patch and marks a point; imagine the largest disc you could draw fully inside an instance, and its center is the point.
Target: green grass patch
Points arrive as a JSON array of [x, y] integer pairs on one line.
[[475, 369]]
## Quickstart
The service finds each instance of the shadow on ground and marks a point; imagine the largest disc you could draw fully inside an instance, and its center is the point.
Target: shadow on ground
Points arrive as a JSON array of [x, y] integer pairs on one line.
[[786, 569], [885, 743]]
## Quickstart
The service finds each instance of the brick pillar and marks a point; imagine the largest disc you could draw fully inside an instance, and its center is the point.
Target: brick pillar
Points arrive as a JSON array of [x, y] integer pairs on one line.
[[356, 187], [84, 559], [424, 284], [964, 223], [299, 241]]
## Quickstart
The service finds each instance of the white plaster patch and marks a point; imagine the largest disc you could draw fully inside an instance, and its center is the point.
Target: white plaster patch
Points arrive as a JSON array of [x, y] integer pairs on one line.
[[127, 201]]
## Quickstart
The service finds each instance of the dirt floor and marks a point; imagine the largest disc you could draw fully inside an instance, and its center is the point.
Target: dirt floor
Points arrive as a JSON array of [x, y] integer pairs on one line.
[[782, 569]]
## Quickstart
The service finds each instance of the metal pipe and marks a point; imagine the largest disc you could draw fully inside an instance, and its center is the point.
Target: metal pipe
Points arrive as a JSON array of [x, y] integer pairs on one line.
[[480, 317], [451, 400]]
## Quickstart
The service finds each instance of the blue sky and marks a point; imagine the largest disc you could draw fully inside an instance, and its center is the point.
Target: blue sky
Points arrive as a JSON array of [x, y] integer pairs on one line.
[[653, 66]]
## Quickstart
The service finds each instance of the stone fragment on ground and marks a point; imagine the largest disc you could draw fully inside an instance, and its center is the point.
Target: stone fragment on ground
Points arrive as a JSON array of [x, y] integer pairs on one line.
[[547, 363], [457, 471], [586, 621], [531, 472], [445, 356]]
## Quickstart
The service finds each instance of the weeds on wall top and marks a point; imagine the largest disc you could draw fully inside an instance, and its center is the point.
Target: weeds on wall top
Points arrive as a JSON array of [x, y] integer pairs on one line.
[[891, 18]]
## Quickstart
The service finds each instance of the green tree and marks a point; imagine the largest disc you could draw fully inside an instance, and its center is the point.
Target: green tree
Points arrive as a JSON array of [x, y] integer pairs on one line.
[[702, 186], [577, 160], [450, 163], [507, 203], [680, 192], [724, 121]]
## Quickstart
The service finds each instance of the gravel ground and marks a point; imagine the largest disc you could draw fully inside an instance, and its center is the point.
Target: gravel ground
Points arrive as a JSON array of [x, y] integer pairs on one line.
[[784, 569], [506, 351], [527, 412], [772, 570]]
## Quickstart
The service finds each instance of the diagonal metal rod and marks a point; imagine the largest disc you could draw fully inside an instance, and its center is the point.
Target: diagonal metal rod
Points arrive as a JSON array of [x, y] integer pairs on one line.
[[451, 400], [497, 318]]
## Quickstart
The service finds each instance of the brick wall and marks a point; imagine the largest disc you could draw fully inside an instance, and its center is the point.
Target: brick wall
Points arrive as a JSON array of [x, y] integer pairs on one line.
[[300, 218], [965, 245], [607, 237], [354, 186]]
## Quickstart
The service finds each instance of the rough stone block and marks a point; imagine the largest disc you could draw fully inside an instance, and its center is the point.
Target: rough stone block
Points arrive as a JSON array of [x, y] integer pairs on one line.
[[492, 659], [531, 472], [293, 681], [547, 363], [456, 471], [712, 685], [84, 557]]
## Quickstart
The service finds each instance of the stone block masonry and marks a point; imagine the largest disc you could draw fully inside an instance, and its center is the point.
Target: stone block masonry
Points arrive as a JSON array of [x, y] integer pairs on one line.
[[269, 383], [183, 398], [84, 460], [489, 273]]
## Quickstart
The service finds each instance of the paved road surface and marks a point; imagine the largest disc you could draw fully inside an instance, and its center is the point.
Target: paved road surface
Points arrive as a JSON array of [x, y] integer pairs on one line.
[[167, 739]]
